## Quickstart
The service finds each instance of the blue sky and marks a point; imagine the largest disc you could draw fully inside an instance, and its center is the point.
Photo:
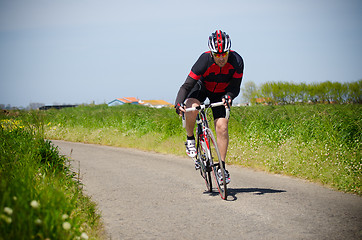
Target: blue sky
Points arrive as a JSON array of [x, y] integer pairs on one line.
[[79, 51]]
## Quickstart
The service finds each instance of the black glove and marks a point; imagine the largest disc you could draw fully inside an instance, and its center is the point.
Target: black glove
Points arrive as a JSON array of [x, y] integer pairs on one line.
[[178, 105], [227, 98]]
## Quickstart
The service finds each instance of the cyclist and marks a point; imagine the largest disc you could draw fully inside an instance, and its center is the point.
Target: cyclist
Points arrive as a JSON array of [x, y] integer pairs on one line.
[[216, 75]]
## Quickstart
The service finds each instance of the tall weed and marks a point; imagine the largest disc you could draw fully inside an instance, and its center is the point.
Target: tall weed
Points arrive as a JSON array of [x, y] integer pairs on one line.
[[38, 197]]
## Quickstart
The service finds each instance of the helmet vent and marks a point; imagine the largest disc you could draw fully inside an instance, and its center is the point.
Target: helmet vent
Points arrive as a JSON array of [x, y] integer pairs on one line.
[[219, 42]]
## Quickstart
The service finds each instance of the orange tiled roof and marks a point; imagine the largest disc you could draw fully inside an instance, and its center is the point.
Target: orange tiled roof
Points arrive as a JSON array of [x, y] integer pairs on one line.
[[262, 100], [131, 99], [128, 99], [156, 102], [123, 100]]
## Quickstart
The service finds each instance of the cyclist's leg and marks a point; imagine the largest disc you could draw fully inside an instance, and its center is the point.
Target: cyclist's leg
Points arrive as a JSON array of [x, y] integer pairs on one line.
[[194, 99], [196, 96], [191, 116], [221, 126], [221, 129], [222, 136]]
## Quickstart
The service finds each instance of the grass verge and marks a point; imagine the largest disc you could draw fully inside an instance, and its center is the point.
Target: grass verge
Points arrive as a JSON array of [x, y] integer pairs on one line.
[[39, 198]]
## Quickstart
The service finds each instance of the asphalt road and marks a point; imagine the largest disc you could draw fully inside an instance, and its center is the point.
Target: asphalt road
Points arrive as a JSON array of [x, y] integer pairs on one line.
[[144, 195]]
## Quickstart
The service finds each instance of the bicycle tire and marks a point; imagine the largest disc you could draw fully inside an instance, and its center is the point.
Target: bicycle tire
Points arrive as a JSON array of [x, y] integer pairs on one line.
[[204, 166], [216, 163]]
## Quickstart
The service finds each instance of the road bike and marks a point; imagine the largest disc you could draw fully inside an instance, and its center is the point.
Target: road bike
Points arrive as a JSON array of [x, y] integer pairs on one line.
[[208, 155]]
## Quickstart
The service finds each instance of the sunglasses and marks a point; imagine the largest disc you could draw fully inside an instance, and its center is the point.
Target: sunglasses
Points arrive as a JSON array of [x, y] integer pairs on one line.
[[219, 55]]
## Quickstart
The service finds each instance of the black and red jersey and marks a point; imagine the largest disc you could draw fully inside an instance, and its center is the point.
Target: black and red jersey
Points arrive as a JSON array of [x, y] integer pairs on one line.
[[225, 80]]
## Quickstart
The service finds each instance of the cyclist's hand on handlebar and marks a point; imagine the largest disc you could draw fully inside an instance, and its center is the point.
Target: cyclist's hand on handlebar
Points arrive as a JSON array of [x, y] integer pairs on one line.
[[227, 101], [180, 108]]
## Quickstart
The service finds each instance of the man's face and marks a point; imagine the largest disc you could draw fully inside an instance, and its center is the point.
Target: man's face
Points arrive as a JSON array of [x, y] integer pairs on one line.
[[221, 59]]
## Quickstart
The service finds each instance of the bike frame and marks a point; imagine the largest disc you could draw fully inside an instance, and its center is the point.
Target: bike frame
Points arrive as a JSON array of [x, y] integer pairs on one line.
[[205, 140]]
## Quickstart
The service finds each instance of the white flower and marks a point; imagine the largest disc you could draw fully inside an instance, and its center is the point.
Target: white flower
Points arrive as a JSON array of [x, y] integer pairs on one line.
[[66, 225], [84, 236], [8, 210], [65, 216], [7, 219], [37, 221], [34, 204], [15, 198]]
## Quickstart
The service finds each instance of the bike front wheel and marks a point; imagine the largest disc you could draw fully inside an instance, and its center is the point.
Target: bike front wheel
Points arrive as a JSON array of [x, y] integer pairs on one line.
[[205, 170], [216, 164]]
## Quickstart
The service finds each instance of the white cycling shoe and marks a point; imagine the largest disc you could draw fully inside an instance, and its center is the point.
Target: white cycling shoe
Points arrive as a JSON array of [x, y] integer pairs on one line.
[[190, 148], [227, 176]]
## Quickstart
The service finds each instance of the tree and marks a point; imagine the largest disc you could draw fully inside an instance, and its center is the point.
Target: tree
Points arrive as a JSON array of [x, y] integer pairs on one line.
[[266, 92], [300, 92], [354, 92], [289, 93], [249, 91], [323, 91], [338, 92]]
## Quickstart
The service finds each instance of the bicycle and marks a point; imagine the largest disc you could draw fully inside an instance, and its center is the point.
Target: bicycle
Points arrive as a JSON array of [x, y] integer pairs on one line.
[[208, 155]]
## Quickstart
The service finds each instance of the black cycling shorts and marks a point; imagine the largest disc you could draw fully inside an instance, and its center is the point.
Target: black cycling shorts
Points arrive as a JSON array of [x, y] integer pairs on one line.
[[200, 93]]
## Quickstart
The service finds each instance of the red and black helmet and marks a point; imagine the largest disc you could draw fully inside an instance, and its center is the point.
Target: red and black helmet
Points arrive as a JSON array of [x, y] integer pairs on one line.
[[219, 42]]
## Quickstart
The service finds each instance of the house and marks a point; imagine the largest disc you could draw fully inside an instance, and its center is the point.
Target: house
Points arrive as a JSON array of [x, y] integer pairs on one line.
[[55, 107], [121, 101], [132, 100], [264, 101], [155, 103]]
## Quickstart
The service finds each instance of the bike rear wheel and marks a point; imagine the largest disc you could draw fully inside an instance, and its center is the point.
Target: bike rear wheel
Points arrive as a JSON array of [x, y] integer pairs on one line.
[[205, 170], [216, 164]]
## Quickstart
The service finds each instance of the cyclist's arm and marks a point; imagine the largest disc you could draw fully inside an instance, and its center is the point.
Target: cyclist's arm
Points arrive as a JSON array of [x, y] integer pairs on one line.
[[185, 89], [195, 74], [233, 89]]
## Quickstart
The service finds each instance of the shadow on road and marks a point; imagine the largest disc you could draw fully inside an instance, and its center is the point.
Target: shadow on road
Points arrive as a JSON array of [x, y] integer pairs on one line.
[[232, 192]]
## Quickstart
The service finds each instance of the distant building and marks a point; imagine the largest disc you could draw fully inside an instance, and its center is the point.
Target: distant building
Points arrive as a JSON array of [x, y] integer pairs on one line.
[[155, 103], [121, 101], [47, 107], [132, 100], [264, 101]]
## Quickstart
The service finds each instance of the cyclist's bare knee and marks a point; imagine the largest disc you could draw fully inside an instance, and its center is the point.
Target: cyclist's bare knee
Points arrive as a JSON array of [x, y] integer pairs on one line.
[[221, 125], [192, 102], [191, 116]]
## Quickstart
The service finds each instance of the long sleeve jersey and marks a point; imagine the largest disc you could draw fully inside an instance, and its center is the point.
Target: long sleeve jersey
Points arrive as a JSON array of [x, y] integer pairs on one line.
[[216, 79]]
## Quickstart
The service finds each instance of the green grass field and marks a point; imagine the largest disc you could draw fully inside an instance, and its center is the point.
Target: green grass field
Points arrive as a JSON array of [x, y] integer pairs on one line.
[[40, 197], [320, 143]]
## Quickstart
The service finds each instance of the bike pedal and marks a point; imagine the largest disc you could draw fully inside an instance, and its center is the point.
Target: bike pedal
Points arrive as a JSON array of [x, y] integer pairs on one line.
[[197, 164]]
